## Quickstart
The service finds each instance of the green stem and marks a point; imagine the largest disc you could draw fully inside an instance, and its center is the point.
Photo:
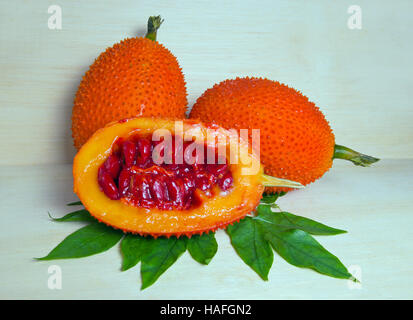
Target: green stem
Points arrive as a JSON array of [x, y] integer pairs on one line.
[[154, 22], [359, 159], [269, 181]]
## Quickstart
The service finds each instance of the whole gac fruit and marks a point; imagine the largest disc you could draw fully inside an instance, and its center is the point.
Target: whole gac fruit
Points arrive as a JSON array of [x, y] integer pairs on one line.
[[296, 141], [136, 77]]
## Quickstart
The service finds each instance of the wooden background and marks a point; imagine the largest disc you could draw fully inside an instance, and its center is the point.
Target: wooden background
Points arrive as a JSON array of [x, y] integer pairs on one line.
[[361, 80]]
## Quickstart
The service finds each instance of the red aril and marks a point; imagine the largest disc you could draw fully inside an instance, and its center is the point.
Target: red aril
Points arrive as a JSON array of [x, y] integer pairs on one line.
[[134, 177]]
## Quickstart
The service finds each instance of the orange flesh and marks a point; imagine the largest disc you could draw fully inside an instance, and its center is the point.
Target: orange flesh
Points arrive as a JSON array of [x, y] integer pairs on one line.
[[213, 212]]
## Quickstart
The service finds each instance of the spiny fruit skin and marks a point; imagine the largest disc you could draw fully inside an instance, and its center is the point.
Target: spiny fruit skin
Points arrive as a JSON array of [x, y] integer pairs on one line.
[[136, 77], [296, 141]]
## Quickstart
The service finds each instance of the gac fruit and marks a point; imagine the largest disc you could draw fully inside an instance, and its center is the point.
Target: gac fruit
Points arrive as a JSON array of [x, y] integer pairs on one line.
[[136, 77], [297, 142], [127, 177]]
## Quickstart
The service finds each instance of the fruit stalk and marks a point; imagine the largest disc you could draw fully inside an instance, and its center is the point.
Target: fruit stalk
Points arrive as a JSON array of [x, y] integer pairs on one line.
[[269, 181], [359, 159], [154, 22]]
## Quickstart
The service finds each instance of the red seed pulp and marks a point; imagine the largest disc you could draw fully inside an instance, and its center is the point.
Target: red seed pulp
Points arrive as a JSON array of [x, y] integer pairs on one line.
[[131, 173]]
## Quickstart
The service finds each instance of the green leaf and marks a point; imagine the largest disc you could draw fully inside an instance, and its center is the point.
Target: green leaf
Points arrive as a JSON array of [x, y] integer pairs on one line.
[[248, 241], [79, 215], [300, 249], [133, 247], [271, 198], [203, 248], [76, 203], [287, 221], [92, 239], [162, 253]]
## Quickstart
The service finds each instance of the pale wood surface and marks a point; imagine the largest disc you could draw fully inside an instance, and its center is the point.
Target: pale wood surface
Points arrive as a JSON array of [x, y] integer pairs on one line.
[[361, 79], [374, 205]]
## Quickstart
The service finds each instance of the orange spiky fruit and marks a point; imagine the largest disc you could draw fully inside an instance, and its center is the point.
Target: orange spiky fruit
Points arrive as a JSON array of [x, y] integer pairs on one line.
[[136, 77], [296, 141]]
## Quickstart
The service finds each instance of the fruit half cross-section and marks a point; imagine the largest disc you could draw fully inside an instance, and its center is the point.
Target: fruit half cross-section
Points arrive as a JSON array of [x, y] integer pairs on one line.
[[121, 182]]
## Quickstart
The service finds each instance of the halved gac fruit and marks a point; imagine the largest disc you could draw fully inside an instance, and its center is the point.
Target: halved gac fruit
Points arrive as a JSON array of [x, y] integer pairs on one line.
[[163, 177]]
